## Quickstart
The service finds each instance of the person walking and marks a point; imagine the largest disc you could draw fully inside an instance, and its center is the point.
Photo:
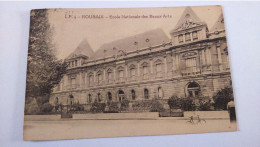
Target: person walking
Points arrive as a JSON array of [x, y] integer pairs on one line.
[[231, 110]]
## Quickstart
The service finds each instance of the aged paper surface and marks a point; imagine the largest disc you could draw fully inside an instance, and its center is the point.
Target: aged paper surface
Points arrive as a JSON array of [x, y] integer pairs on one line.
[[127, 72]]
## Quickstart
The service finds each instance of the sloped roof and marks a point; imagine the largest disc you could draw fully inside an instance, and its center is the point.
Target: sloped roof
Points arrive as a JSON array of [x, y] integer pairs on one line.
[[132, 43], [188, 16], [219, 25], [83, 49]]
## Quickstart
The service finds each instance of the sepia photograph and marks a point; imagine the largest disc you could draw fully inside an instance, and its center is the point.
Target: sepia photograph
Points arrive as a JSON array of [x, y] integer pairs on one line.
[[116, 72]]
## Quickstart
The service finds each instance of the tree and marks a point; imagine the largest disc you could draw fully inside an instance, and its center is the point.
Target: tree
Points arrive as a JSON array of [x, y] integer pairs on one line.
[[222, 97], [44, 70]]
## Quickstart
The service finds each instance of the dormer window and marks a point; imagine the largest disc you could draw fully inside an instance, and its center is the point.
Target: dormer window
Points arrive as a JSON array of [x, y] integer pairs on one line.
[[180, 38], [187, 37], [195, 35]]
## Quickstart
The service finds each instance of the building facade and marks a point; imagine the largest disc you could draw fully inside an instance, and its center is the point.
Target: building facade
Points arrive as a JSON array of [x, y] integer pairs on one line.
[[193, 62]]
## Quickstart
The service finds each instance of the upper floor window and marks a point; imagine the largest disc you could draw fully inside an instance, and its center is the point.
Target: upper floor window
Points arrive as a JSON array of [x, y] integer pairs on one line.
[[73, 83], [145, 72], [90, 80], [110, 77], [76, 63], [72, 63], [195, 35], [132, 73], [99, 78], [158, 70], [180, 38], [187, 37], [121, 75]]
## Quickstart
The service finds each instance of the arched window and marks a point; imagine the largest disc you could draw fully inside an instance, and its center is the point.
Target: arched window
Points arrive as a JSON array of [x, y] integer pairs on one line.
[[121, 95], [133, 94], [193, 89], [99, 97], [109, 96], [160, 92], [146, 93]]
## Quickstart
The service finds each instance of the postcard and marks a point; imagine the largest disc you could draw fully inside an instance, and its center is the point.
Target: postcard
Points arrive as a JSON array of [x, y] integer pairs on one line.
[[117, 72]]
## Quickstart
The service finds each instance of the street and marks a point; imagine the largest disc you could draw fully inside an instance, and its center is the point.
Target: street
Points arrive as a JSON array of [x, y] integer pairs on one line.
[[76, 129]]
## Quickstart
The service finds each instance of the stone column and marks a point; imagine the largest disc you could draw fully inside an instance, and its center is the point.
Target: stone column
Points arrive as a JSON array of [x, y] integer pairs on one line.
[[138, 70], [165, 66], [126, 72]]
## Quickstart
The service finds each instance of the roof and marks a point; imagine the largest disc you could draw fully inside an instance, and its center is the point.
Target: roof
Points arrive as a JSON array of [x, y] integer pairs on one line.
[[83, 49], [219, 25], [132, 43], [188, 16]]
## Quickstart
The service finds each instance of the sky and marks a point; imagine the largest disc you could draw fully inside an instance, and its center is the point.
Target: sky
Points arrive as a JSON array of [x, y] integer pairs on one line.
[[71, 26]]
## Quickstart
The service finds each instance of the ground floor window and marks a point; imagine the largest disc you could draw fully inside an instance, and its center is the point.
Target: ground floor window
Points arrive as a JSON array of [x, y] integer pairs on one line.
[[193, 89], [109, 96], [160, 92], [89, 98], [121, 95], [133, 94], [146, 93], [99, 97]]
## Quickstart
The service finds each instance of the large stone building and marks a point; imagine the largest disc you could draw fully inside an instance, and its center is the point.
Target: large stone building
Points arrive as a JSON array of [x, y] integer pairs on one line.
[[193, 62]]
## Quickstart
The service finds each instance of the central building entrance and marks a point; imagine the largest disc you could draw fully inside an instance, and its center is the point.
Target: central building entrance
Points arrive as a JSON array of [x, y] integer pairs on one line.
[[121, 95]]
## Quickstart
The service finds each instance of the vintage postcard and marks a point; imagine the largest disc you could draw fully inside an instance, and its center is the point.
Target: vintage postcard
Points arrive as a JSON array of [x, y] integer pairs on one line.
[[127, 72]]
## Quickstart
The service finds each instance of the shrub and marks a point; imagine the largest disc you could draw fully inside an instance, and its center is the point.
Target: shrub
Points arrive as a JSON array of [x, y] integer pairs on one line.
[[204, 106], [97, 107], [187, 104], [222, 97], [143, 105], [113, 107], [77, 107], [46, 107], [174, 102], [124, 105], [156, 106]]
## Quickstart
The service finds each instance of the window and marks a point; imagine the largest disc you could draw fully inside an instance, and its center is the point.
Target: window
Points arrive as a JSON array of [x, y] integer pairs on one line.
[[73, 83], [180, 38], [110, 78], [89, 98], [191, 64], [159, 70], [109, 96], [145, 72], [193, 89], [146, 94], [132, 74], [72, 63], [133, 94], [121, 75], [195, 35], [160, 92], [187, 37], [99, 97], [76, 63], [99, 79], [91, 80]]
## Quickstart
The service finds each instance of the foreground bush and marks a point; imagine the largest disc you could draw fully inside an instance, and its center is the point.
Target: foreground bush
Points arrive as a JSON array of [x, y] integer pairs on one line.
[[156, 106], [124, 105], [113, 107], [97, 107]]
